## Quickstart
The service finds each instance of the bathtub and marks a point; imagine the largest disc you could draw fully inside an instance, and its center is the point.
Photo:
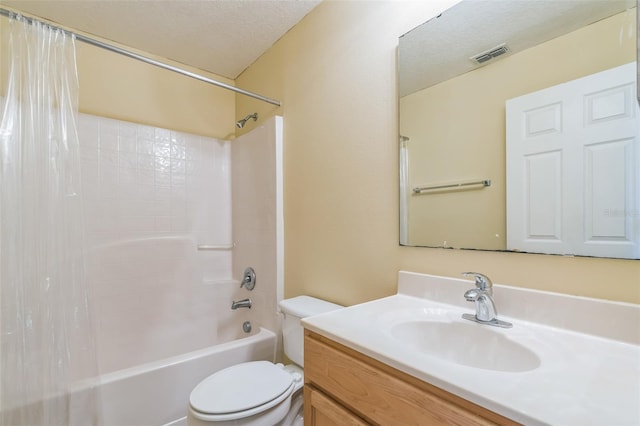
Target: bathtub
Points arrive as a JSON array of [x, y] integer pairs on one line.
[[157, 393], [153, 394]]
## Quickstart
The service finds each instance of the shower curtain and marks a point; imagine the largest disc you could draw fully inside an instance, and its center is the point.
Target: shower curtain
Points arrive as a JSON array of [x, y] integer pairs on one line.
[[404, 190], [45, 328]]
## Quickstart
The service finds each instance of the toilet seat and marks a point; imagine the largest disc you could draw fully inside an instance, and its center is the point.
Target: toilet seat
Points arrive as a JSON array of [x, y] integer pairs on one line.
[[241, 391]]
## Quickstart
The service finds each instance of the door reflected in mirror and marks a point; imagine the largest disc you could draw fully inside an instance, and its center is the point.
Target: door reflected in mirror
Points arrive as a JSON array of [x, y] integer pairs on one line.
[[563, 169]]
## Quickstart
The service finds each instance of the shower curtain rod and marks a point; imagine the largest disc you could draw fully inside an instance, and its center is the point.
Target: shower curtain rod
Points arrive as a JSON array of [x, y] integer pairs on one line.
[[133, 55]]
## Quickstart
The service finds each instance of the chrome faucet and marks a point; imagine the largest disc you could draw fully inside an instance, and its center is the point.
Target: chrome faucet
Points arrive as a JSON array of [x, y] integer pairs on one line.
[[482, 295], [244, 303]]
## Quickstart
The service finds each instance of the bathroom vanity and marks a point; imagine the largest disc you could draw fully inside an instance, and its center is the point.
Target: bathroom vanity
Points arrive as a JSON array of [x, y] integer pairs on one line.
[[412, 359], [343, 386]]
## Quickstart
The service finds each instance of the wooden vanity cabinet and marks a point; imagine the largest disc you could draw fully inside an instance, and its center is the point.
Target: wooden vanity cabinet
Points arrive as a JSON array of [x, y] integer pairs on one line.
[[345, 387]]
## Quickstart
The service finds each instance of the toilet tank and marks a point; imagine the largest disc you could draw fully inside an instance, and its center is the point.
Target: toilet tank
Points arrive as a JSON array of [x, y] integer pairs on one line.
[[292, 331]]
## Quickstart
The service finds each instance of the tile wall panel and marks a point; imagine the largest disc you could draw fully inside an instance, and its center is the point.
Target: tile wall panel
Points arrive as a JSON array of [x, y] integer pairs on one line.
[[257, 205], [151, 196]]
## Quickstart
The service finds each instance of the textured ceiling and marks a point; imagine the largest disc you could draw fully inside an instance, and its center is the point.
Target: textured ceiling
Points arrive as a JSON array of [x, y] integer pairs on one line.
[[440, 49], [220, 36]]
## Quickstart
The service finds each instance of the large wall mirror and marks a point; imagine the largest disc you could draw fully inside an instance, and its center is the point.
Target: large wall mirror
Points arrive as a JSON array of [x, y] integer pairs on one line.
[[519, 128]]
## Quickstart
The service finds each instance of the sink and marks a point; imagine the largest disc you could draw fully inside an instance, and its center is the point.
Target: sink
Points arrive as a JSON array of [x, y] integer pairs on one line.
[[469, 344], [557, 357]]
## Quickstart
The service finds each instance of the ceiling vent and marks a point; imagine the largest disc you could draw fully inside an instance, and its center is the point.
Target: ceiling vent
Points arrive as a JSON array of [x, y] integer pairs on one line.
[[490, 54]]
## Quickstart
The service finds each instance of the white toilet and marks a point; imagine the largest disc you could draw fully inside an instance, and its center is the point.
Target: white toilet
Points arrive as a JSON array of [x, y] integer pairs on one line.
[[260, 392]]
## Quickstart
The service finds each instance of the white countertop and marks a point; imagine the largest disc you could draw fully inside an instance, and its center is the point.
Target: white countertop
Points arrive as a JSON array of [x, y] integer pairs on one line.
[[587, 374]]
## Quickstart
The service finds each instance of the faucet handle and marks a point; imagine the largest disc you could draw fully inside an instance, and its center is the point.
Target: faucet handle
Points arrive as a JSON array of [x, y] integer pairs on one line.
[[483, 282], [248, 279]]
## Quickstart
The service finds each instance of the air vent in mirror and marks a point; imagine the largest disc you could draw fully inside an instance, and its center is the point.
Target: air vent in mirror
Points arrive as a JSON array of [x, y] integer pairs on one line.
[[490, 54]]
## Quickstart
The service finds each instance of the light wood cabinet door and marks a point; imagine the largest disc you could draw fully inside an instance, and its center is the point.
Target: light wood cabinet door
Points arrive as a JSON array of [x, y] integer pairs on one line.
[[321, 410]]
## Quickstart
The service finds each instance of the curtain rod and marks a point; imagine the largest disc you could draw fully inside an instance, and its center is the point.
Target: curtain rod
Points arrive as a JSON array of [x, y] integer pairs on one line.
[[133, 55]]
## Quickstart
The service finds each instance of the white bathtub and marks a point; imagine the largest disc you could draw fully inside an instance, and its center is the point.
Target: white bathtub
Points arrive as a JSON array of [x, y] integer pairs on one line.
[[154, 394], [157, 393]]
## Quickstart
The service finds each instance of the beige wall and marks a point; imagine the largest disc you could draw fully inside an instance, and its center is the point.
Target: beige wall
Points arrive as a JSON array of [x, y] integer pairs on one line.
[[336, 75], [114, 86], [431, 118]]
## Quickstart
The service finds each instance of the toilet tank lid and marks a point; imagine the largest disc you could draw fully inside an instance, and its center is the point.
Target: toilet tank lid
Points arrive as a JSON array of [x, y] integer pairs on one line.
[[305, 306]]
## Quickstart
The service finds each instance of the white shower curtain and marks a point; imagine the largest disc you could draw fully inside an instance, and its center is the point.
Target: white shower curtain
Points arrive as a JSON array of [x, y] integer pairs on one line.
[[46, 335], [404, 190]]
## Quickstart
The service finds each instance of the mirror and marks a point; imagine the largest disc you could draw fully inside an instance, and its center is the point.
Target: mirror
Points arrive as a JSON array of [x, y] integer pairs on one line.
[[466, 82]]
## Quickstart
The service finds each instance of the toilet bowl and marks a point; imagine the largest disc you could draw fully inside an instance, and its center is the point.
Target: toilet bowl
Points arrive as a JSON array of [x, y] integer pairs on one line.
[[260, 393]]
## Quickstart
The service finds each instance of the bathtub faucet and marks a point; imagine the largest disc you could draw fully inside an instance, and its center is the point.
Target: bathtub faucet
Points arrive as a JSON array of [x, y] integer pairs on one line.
[[244, 303]]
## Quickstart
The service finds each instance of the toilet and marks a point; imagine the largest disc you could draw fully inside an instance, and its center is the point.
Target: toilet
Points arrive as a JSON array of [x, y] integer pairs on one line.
[[260, 392]]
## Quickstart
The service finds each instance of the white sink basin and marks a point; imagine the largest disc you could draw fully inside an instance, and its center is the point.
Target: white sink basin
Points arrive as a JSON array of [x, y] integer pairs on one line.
[[465, 343]]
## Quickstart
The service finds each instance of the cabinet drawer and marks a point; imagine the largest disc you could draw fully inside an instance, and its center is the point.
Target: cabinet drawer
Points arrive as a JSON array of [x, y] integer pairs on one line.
[[383, 395]]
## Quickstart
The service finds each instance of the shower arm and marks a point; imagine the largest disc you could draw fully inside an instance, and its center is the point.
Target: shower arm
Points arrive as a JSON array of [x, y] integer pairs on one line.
[[133, 55]]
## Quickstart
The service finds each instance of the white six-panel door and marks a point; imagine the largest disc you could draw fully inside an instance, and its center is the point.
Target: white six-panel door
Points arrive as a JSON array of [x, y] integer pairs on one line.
[[573, 161]]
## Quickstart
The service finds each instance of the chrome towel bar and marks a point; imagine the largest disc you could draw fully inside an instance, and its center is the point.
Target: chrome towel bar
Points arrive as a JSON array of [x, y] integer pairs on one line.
[[420, 189]]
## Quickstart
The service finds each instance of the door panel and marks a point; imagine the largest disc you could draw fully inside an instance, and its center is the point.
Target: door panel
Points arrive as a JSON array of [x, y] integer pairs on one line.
[[572, 167]]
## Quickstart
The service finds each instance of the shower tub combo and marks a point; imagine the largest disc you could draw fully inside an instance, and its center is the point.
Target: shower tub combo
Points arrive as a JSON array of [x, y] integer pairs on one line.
[[162, 300], [161, 306]]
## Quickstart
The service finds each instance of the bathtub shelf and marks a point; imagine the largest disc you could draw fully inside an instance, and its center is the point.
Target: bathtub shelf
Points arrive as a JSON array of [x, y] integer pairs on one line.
[[216, 246]]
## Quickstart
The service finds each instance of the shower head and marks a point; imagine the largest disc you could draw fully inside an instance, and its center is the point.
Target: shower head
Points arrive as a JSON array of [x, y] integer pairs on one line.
[[240, 123]]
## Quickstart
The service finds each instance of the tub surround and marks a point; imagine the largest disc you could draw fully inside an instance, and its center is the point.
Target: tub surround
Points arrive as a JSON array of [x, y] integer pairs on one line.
[[151, 196], [258, 222], [583, 355]]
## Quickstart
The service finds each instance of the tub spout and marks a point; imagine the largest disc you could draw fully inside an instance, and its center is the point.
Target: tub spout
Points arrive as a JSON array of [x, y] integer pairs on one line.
[[244, 303]]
